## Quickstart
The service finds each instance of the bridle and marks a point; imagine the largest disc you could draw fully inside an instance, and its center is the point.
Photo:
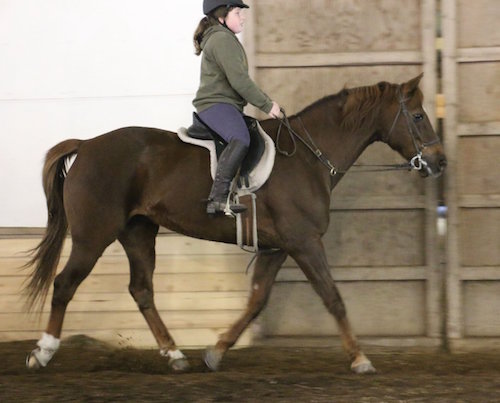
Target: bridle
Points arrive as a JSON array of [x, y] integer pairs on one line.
[[416, 163]]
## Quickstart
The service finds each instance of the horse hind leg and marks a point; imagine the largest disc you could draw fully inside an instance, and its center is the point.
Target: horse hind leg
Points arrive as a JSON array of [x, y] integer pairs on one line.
[[138, 240], [80, 263], [265, 271]]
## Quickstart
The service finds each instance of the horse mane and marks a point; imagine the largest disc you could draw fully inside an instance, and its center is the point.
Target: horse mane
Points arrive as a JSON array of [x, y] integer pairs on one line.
[[359, 106]]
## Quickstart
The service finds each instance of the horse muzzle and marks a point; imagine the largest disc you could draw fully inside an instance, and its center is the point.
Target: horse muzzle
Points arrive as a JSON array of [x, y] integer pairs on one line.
[[431, 165]]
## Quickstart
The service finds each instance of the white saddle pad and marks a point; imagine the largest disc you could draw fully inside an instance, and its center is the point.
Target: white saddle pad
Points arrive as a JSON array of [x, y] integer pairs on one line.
[[257, 177]]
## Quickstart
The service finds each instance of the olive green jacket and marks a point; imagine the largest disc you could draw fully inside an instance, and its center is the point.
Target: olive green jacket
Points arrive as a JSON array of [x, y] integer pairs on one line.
[[224, 73]]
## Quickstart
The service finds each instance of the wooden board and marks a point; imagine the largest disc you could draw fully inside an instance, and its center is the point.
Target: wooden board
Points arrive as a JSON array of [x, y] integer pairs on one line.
[[479, 237], [482, 307], [201, 288], [120, 302], [479, 92], [294, 309], [376, 238], [138, 338], [168, 244], [478, 172], [476, 20], [88, 322], [315, 26]]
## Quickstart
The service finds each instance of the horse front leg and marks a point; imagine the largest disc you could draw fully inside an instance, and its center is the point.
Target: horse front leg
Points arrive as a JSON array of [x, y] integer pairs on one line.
[[311, 258], [266, 268]]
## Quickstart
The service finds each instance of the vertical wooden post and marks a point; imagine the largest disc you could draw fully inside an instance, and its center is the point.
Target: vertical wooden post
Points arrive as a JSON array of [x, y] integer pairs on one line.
[[429, 87], [454, 326]]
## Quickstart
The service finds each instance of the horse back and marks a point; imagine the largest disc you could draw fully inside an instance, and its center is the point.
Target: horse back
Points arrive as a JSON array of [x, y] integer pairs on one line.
[[140, 171]]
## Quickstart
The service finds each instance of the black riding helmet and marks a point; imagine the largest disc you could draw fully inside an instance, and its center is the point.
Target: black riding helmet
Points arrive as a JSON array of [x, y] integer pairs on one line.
[[211, 5]]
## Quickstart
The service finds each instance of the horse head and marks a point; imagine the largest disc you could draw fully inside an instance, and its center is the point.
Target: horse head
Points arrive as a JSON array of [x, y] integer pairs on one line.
[[406, 128]]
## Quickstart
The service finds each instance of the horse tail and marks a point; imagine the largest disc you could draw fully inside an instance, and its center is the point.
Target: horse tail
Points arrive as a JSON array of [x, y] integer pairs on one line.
[[45, 256]]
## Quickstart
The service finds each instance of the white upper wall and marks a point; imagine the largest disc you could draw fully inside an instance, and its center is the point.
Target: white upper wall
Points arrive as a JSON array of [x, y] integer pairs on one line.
[[77, 69]]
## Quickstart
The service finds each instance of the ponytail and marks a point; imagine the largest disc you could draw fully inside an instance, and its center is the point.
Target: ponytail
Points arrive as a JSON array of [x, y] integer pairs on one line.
[[205, 23], [198, 34]]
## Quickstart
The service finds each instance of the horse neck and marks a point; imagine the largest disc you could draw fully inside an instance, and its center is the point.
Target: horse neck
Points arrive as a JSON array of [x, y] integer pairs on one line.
[[339, 145]]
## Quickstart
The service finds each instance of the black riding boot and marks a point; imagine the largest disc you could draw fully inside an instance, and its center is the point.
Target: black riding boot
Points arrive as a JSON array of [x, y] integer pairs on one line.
[[228, 164]]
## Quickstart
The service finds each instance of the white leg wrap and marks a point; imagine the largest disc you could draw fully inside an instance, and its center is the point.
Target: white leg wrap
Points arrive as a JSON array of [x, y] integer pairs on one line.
[[172, 354], [48, 346]]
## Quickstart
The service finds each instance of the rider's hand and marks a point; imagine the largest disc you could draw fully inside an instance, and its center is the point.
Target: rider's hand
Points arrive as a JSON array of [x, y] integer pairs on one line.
[[275, 111]]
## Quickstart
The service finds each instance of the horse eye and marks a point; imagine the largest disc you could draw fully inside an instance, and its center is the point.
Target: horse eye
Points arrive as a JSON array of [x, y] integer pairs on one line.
[[418, 117]]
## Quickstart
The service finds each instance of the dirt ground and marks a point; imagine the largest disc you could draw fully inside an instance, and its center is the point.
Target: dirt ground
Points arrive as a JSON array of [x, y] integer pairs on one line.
[[85, 370]]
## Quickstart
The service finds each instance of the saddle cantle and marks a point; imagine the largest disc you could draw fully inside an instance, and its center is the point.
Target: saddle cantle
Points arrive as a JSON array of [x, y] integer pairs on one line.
[[258, 163]]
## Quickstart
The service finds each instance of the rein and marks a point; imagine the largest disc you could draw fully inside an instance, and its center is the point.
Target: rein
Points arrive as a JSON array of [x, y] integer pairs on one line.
[[321, 157], [311, 145], [416, 163]]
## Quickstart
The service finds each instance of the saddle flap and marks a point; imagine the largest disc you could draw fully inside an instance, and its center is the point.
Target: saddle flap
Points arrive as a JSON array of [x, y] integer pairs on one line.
[[256, 149]]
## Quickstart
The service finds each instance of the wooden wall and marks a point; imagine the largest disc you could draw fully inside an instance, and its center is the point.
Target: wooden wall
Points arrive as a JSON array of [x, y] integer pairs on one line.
[[381, 243], [471, 71], [200, 287]]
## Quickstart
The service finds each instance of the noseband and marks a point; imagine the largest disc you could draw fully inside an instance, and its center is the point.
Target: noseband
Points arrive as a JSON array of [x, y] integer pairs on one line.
[[417, 162]]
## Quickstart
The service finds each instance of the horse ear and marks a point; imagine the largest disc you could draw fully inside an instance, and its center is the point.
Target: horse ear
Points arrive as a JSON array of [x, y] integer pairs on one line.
[[342, 98], [411, 86]]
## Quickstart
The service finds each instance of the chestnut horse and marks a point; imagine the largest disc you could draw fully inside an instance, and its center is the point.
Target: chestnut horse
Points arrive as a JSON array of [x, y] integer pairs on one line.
[[125, 184]]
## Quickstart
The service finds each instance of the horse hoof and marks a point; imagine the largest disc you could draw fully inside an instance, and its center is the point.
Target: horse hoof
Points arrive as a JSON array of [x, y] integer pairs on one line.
[[179, 365], [363, 367], [212, 358], [32, 362]]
